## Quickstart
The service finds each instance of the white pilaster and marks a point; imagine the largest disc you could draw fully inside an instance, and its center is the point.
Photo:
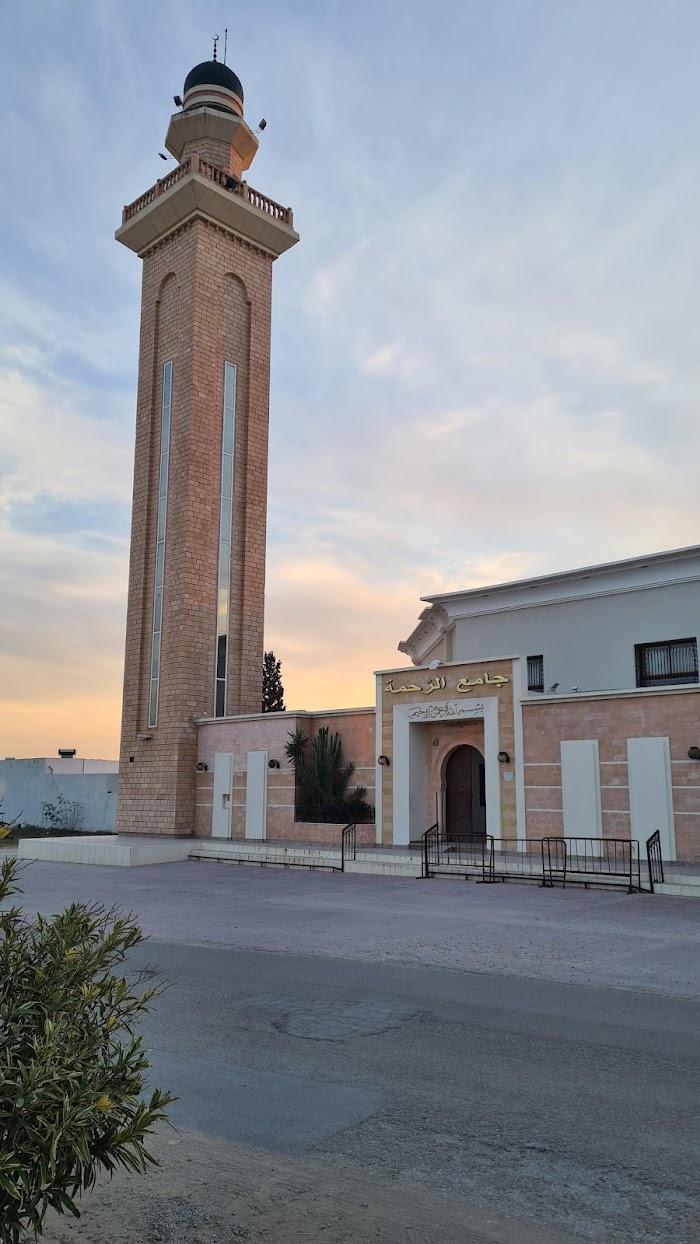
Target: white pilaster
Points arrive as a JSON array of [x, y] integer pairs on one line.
[[223, 790], [410, 764], [256, 795]]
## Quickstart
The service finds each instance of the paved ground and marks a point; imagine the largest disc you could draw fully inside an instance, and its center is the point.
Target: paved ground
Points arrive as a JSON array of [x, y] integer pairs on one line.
[[498, 1102], [630, 941]]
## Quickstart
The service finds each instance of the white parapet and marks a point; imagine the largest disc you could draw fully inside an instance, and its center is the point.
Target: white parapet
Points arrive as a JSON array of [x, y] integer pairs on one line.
[[120, 850]]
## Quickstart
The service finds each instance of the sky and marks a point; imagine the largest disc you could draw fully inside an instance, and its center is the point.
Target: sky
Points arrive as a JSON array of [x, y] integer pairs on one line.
[[485, 348]]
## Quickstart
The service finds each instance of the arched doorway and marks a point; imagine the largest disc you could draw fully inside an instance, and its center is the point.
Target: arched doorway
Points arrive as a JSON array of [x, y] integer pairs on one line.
[[465, 793]]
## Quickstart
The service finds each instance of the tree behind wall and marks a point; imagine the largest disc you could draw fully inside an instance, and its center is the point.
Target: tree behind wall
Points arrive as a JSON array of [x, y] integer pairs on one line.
[[273, 691]]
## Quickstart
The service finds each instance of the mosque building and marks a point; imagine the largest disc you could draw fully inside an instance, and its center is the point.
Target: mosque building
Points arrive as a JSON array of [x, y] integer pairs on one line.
[[564, 704]]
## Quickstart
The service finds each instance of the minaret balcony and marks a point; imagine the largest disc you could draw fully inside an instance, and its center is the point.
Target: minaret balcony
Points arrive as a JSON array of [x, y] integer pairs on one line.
[[197, 188]]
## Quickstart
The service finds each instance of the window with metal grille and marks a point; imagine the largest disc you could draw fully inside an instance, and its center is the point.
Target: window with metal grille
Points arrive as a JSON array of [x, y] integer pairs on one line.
[[535, 673], [666, 664]]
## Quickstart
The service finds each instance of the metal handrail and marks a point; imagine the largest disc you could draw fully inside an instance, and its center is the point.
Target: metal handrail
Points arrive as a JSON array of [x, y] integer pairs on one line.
[[348, 844], [655, 861], [466, 853], [551, 860], [582, 860], [553, 847], [430, 835]]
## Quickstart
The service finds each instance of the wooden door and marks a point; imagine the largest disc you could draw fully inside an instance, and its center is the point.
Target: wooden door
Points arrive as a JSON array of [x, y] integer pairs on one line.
[[459, 793]]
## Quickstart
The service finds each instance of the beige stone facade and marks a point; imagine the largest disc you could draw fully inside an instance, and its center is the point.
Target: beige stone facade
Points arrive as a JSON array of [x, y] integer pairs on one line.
[[436, 711], [613, 719], [269, 732], [206, 301], [208, 241]]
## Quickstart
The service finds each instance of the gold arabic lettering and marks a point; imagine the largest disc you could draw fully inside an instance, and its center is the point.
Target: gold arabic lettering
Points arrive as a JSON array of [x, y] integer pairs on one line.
[[439, 683]]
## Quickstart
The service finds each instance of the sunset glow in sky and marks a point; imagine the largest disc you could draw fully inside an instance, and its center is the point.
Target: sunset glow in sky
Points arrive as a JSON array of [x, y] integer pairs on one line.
[[486, 348]]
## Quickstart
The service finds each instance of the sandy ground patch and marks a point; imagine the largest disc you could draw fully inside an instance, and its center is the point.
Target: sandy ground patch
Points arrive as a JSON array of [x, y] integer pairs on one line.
[[208, 1191]]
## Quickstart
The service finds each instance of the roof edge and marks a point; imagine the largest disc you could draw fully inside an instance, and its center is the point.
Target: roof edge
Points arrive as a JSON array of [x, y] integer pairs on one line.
[[561, 576]]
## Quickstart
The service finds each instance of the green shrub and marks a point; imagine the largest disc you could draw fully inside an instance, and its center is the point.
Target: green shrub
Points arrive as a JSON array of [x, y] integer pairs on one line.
[[322, 779], [71, 1065]]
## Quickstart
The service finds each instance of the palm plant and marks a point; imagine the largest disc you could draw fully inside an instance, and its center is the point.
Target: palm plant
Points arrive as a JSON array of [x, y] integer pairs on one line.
[[323, 780]]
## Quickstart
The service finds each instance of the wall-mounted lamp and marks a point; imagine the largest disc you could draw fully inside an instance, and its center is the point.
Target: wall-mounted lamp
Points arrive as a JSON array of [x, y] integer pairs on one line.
[[503, 758], [383, 761], [694, 753], [202, 766], [273, 764]]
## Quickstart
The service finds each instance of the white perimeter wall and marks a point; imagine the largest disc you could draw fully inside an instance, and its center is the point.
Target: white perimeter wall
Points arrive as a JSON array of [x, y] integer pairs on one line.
[[26, 784]]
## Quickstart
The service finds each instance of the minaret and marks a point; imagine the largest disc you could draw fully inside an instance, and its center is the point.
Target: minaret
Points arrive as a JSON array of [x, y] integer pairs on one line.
[[194, 633]]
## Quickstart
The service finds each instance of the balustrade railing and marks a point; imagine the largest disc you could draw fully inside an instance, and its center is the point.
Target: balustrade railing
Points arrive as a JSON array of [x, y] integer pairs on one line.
[[283, 214], [195, 164], [163, 184]]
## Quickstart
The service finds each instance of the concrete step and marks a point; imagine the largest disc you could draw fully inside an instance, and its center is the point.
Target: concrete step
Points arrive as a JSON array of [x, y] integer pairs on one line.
[[114, 850], [373, 861], [383, 868], [275, 855], [681, 885], [272, 860], [255, 849]]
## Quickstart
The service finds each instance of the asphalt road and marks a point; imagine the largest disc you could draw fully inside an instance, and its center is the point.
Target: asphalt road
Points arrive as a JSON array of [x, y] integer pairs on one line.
[[568, 1106], [529, 1057]]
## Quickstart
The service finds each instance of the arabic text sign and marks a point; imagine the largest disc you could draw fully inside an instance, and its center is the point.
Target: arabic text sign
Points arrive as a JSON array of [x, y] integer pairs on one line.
[[445, 710], [439, 683]]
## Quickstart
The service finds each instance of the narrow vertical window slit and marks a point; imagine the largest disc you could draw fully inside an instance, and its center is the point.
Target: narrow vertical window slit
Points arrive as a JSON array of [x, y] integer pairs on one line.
[[225, 512], [160, 544]]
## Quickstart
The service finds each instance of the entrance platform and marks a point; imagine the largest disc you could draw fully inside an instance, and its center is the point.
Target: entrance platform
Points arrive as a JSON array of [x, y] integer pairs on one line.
[[127, 851], [120, 850]]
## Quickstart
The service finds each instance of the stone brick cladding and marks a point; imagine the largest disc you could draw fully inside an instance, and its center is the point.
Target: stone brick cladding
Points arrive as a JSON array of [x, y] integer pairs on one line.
[[206, 299], [612, 720], [269, 732], [215, 151], [327, 835]]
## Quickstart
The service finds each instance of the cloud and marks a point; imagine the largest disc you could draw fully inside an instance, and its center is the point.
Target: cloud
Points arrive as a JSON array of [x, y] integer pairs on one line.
[[61, 644], [484, 358], [50, 448], [65, 485], [538, 386], [333, 626]]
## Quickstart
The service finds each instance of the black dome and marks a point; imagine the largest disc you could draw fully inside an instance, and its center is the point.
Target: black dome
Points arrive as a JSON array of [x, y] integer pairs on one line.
[[213, 73]]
